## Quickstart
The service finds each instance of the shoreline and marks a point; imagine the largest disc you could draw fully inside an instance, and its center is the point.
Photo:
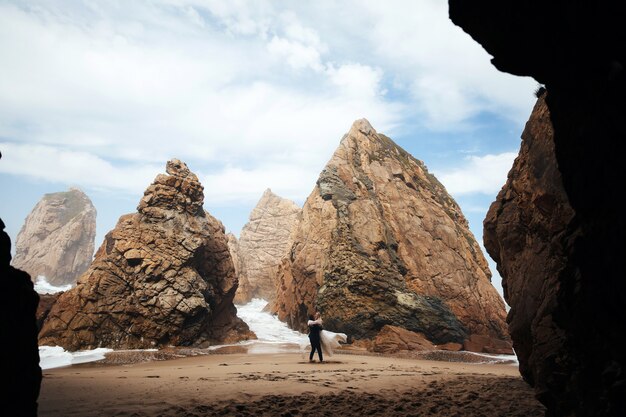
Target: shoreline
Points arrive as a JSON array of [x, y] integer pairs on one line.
[[129, 356], [285, 384]]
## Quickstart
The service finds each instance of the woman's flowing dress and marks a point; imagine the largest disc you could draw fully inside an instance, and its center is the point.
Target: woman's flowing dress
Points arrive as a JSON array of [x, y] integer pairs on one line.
[[331, 341]]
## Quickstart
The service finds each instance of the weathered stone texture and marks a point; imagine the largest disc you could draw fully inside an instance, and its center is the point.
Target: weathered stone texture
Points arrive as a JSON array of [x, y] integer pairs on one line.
[[264, 241], [382, 243], [163, 276]]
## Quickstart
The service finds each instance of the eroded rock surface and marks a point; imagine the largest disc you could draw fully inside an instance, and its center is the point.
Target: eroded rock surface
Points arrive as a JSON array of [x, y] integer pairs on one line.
[[263, 242], [382, 243], [57, 238], [524, 232], [393, 339], [163, 276], [243, 294]]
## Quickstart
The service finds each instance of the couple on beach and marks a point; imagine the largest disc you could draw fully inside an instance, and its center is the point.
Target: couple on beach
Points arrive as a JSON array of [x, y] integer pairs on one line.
[[322, 341]]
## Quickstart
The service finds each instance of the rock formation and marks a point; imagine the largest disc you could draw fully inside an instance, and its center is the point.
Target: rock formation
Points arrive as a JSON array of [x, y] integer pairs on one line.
[[382, 243], [57, 239], [242, 295], [392, 339], [524, 232], [263, 243], [575, 276], [18, 336], [46, 301], [163, 276]]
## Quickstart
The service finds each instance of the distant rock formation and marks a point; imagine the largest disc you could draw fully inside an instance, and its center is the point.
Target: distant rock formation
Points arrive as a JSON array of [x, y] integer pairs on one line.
[[382, 243], [242, 295], [162, 277], [263, 242], [57, 239], [18, 335]]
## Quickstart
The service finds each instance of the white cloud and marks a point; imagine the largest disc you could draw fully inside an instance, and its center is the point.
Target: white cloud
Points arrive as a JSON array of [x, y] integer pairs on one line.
[[52, 164], [450, 75], [480, 174], [237, 185], [357, 79], [256, 91], [297, 54]]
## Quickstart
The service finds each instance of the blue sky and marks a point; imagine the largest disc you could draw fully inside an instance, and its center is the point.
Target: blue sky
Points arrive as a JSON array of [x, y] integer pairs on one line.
[[251, 95]]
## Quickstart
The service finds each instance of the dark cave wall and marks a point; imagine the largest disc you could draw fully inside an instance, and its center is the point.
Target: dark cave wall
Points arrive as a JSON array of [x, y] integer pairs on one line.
[[577, 50]]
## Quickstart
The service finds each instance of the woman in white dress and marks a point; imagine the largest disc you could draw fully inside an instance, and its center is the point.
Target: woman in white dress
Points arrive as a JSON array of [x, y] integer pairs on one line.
[[329, 340]]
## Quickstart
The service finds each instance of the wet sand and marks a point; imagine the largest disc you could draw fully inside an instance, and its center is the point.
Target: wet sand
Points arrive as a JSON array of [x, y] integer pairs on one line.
[[283, 384]]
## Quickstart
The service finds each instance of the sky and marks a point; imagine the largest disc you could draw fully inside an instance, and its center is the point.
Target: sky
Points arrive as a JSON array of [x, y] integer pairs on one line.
[[250, 94]]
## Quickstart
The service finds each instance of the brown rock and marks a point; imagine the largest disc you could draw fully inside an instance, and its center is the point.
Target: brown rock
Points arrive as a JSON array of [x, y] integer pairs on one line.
[[57, 238], [46, 301], [243, 294], [454, 347], [524, 232], [162, 277], [381, 242], [392, 339], [263, 243], [485, 344]]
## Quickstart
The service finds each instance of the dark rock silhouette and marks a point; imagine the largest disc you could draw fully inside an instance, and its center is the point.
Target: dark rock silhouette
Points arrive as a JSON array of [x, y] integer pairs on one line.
[[18, 337], [577, 50]]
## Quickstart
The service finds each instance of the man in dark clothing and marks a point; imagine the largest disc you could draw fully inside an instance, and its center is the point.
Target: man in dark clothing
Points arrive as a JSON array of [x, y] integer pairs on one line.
[[315, 328]]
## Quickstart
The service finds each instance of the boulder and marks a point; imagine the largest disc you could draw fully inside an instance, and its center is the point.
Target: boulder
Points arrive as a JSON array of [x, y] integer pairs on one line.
[[393, 339], [163, 276]]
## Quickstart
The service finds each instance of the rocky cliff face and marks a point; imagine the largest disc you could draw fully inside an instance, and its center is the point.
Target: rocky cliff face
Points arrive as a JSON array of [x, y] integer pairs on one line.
[[524, 233], [264, 241], [243, 294], [576, 49], [163, 276], [381, 242], [57, 239]]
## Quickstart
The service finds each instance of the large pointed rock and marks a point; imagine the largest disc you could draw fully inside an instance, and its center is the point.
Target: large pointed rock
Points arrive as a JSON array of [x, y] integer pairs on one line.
[[57, 238], [162, 277], [263, 242], [382, 243]]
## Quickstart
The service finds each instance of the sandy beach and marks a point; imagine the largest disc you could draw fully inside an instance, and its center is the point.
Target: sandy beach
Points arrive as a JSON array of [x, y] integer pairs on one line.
[[283, 384]]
